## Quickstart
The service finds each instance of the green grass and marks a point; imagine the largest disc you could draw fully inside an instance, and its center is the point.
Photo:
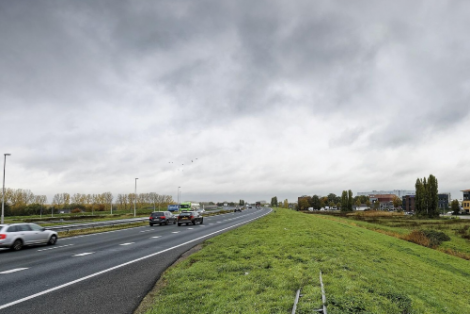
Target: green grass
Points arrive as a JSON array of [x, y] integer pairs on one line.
[[257, 268], [456, 229]]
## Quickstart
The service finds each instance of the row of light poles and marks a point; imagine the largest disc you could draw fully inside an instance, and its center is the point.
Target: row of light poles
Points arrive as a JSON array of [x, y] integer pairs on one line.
[[3, 195]]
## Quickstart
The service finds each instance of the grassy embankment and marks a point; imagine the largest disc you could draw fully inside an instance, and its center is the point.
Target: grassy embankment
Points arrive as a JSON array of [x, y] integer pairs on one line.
[[257, 268], [401, 227]]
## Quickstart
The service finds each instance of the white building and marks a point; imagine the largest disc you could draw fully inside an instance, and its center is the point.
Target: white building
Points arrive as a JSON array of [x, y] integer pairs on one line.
[[399, 193]]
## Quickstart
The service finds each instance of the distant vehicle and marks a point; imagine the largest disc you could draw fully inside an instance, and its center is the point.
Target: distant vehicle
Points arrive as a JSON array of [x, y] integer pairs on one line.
[[15, 236], [161, 218], [190, 217], [310, 209], [173, 208], [185, 206], [237, 209]]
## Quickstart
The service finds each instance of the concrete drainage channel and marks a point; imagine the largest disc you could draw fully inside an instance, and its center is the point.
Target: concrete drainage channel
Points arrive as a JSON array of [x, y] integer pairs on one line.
[[323, 299]]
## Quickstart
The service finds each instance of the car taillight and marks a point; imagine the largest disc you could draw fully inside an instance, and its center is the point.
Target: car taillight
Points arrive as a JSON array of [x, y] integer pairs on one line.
[[150, 217], [162, 217], [191, 217], [3, 236]]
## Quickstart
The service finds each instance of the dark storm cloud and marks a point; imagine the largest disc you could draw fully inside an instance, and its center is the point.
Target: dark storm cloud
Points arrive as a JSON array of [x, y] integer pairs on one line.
[[107, 78]]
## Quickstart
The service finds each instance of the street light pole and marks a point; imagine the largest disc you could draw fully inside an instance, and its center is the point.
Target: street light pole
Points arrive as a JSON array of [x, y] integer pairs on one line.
[[3, 195], [178, 195], [135, 194]]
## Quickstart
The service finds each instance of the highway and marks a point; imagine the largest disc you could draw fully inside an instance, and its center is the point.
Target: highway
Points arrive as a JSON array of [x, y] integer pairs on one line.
[[101, 273]]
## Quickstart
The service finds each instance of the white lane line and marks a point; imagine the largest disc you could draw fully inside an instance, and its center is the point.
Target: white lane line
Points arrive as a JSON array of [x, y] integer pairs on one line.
[[146, 231], [7, 305], [190, 228], [12, 271], [55, 247], [156, 237], [175, 232], [84, 254], [129, 243]]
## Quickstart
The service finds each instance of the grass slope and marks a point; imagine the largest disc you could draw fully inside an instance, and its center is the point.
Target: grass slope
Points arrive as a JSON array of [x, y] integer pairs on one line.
[[257, 268]]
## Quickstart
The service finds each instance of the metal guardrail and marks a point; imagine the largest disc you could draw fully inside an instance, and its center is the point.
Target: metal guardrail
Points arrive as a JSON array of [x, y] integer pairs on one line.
[[111, 223], [96, 224]]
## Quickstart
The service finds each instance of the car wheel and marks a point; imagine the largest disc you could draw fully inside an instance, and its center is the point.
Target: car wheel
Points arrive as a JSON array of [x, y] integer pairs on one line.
[[187, 224], [202, 221], [17, 245], [52, 240], [179, 225], [160, 224], [194, 222], [166, 223], [151, 225], [174, 221]]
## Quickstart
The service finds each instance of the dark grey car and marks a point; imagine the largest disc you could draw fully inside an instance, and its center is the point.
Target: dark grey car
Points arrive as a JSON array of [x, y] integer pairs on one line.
[[162, 218], [190, 217]]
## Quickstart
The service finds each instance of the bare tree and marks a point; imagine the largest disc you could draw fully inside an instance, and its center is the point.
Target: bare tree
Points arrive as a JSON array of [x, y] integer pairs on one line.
[[108, 198]]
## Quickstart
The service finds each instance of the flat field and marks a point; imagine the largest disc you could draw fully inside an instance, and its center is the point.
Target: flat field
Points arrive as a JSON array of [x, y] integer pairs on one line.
[[257, 268]]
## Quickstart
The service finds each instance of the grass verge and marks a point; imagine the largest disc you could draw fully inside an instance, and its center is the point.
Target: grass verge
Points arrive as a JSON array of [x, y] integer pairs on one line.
[[257, 268]]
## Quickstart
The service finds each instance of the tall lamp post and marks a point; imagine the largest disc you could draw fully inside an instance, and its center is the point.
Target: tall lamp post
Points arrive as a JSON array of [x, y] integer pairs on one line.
[[135, 194], [178, 195], [3, 195]]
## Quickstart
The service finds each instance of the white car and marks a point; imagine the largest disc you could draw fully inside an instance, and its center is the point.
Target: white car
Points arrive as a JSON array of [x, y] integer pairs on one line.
[[15, 236]]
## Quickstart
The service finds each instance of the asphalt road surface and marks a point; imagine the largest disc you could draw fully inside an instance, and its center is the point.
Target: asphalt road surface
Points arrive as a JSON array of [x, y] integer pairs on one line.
[[101, 273]]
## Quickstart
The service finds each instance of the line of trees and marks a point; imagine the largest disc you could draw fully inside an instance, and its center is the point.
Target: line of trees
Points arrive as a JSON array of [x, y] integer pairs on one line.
[[19, 202], [344, 202], [426, 198]]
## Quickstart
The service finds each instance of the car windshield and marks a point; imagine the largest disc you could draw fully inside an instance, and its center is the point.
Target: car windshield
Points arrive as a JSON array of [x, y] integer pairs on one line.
[[158, 214]]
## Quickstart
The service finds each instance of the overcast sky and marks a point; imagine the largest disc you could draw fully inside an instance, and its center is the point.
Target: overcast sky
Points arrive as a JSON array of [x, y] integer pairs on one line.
[[273, 98]]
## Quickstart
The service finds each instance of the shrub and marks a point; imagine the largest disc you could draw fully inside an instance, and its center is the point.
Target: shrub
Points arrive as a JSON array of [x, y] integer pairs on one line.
[[427, 238]]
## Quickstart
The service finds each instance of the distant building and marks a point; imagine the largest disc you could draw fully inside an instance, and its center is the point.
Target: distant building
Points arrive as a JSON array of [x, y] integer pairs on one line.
[[443, 203], [466, 200], [399, 193], [385, 200], [408, 202]]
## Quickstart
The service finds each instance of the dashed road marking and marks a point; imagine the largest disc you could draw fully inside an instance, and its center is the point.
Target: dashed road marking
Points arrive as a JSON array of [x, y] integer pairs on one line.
[[175, 232], [55, 247], [12, 271], [146, 231], [84, 254], [156, 237], [129, 243]]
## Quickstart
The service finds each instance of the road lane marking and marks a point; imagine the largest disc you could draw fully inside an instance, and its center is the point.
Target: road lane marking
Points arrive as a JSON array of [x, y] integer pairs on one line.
[[146, 231], [190, 228], [12, 271], [175, 232], [156, 237], [7, 305], [55, 247], [129, 243], [84, 254]]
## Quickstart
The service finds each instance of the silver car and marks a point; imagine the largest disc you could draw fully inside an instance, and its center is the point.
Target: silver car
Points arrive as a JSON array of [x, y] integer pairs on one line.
[[15, 236]]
